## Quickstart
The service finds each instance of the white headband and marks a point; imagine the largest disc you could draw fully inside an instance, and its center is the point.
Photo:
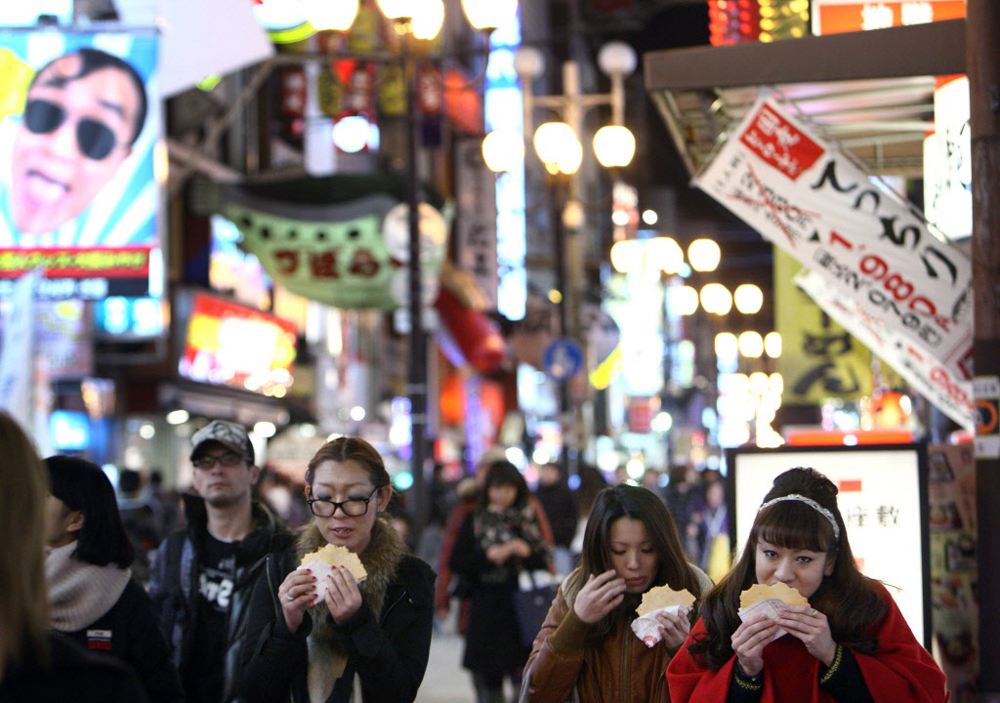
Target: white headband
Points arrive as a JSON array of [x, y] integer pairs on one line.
[[812, 504]]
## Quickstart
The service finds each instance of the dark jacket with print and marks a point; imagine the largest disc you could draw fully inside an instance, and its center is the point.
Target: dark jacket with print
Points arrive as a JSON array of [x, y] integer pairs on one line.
[[386, 642], [130, 632], [174, 577], [71, 674]]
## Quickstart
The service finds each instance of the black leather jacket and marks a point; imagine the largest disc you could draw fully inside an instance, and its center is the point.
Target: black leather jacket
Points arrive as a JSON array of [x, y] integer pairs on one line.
[[173, 584], [387, 651]]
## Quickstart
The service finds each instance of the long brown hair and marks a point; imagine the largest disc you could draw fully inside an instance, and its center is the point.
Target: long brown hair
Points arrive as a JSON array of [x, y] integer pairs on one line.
[[24, 608], [639, 504], [847, 597]]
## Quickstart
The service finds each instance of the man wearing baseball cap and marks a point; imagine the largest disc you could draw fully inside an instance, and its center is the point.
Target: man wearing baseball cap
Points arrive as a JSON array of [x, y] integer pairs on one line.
[[202, 576]]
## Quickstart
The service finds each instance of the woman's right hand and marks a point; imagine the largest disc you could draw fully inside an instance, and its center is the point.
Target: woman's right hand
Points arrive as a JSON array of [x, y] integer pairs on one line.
[[296, 593], [749, 641], [599, 596]]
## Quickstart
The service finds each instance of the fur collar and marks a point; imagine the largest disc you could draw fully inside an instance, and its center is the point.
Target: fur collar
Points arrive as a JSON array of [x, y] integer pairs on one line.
[[327, 655]]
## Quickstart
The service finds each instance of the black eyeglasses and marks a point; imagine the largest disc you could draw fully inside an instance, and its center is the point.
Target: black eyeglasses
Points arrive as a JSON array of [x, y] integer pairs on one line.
[[227, 459], [352, 507], [94, 138]]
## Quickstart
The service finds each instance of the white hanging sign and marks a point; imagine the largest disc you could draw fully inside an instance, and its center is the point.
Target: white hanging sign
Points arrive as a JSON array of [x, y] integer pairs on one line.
[[873, 248]]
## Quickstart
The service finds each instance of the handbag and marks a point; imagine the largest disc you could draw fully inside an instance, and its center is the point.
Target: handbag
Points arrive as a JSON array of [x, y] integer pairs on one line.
[[535, 593]]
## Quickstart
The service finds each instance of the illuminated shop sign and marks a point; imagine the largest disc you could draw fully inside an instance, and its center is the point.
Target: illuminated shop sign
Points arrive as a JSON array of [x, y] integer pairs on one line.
[[882, 497], [503, 108], [233, 345], [837, 16], [79, 124]]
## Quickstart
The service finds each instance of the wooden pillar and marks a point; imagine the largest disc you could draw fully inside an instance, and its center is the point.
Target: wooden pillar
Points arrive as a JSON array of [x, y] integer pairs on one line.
[[983, 68]]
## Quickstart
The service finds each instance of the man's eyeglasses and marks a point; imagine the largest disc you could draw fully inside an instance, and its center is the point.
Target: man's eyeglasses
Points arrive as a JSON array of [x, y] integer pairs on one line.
[[352, 507], [207, 462], [94, 138]]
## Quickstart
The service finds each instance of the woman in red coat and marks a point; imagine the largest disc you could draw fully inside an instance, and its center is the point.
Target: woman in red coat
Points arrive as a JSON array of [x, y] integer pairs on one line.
[[849, 644]]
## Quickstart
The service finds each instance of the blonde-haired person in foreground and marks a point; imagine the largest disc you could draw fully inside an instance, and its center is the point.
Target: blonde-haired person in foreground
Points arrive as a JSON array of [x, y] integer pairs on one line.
[[35, 664]]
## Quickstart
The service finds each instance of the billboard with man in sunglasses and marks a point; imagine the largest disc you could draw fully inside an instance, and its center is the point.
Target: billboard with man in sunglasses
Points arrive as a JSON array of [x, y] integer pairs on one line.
[[79, 120]]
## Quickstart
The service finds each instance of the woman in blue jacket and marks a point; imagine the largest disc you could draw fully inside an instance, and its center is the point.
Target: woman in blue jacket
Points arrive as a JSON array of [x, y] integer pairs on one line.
[[93, 597]]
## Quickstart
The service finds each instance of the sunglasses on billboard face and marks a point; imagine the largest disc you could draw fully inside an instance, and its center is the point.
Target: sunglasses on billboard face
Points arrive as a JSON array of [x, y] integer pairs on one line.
[[94, 138]]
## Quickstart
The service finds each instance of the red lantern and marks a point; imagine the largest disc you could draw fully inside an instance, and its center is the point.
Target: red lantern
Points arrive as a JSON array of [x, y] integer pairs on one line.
[[451, 400]]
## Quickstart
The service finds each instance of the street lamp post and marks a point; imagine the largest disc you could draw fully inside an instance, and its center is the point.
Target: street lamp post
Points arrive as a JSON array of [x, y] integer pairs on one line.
[[558, 147], [415, 20]]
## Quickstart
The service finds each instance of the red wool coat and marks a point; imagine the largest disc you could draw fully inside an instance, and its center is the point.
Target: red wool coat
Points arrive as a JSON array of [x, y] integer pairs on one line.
[[901, 671]]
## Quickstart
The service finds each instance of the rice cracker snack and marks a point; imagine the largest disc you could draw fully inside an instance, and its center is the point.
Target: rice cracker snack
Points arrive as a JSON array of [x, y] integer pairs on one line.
[[660, 599], [771, 600], [322, 561]]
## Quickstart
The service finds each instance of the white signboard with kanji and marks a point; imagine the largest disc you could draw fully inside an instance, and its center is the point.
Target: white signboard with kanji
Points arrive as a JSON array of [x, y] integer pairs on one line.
[[871, 247], [881, 495]]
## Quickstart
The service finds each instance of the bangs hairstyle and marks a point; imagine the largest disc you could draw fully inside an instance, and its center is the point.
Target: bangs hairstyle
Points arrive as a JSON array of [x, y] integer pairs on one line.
[[24, 609], [847, 597], [793, 525], [504, 473], [354, 449], [640, 504], [83, 486]]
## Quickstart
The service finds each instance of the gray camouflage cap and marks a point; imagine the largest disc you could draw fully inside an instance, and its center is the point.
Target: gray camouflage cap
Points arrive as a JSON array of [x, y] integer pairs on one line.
[[229, 434]]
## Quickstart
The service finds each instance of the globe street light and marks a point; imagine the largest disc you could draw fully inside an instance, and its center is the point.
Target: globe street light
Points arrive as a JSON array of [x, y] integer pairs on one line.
[[558, 146]]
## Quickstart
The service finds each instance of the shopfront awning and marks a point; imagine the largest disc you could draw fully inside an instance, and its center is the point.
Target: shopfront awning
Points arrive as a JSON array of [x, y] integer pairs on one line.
[[872, 92], [795, 164]]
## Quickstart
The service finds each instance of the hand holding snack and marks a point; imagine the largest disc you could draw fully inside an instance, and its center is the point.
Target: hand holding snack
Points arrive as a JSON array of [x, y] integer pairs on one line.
[[770, 602], [663, 616], [601, 594], [343, 598], [749, 640], [296, 593], [321, 562], [813, 629]]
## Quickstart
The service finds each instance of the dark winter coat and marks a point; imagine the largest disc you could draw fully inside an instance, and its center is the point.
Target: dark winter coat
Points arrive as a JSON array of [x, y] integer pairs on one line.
[[386, 643], [130, 632], [560, 508], [493, 643], [72, 674], [174, 579]]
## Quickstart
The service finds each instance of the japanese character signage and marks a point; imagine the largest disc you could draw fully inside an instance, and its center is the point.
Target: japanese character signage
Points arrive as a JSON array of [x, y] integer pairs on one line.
[[837, 16], [235, 345], [476, 221], [356, 257], [882, 496], [872, 248], [820, 359], [918, 368]]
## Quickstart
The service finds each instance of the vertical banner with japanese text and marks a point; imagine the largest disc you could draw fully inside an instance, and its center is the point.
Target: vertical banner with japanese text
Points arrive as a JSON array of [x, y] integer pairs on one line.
[[819, 358], [873, 250], [476, 221]]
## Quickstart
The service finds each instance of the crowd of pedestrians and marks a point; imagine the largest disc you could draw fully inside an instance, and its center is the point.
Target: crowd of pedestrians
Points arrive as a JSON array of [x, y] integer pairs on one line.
[[230, 616]]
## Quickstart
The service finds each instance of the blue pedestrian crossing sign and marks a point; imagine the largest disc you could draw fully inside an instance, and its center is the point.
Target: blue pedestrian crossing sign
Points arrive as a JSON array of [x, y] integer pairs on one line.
[[563, 359]]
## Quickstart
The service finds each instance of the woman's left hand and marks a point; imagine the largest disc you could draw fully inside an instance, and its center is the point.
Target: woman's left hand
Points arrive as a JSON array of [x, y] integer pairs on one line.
[[343, 598], [812, 627], [674, 629]]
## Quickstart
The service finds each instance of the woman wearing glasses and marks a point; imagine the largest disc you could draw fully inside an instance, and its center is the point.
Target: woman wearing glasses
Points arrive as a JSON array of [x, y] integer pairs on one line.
[[314, 639]]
